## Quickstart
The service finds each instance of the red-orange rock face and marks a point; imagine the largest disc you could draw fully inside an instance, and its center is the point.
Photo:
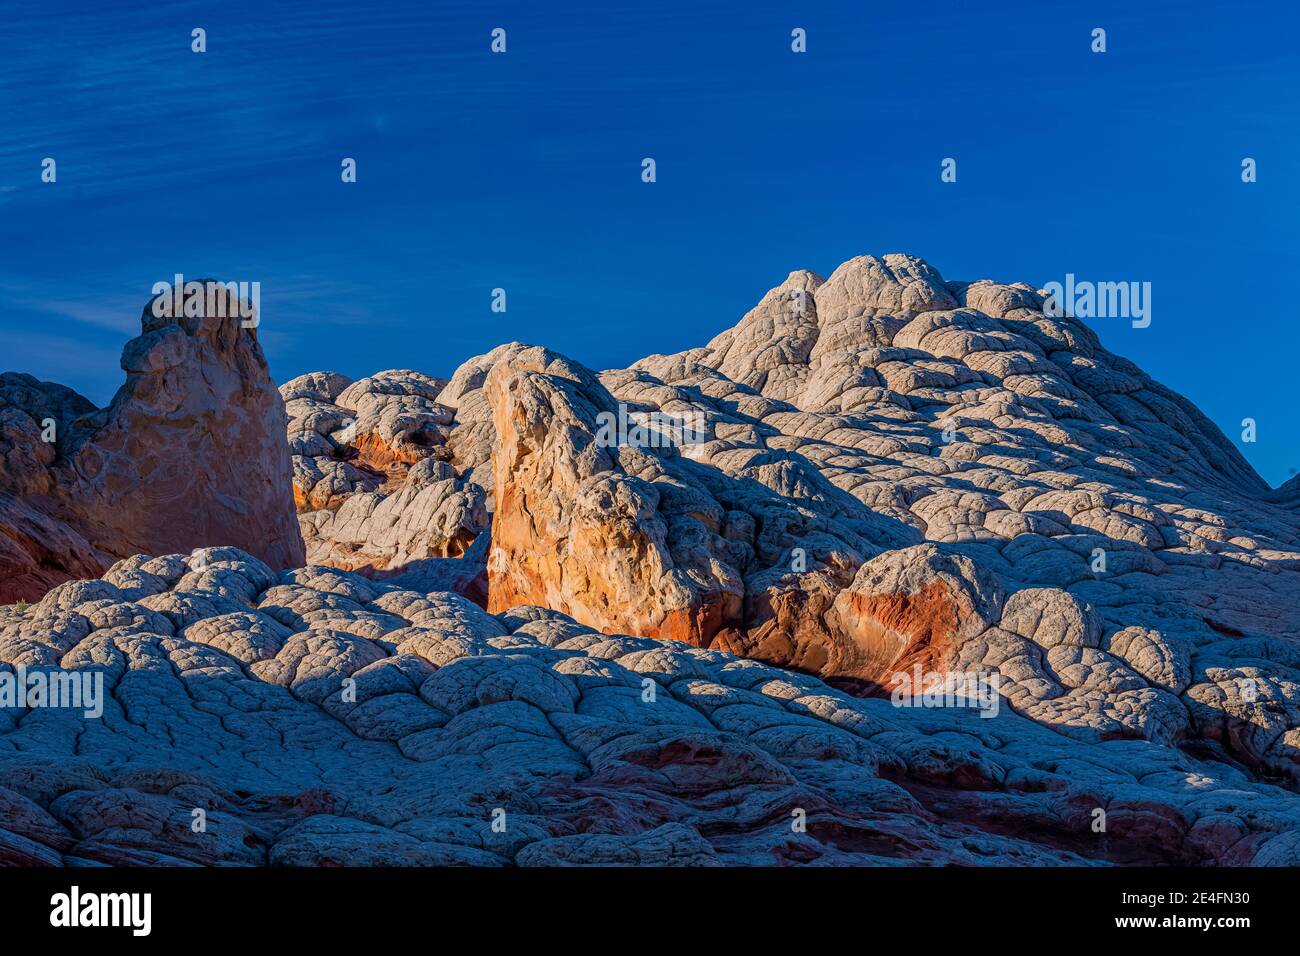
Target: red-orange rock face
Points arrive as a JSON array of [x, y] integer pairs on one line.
[[911, 608], [573, 529]]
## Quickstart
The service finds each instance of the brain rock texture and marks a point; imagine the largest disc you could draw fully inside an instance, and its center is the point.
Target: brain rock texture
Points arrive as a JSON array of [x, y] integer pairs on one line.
[[516, 640]]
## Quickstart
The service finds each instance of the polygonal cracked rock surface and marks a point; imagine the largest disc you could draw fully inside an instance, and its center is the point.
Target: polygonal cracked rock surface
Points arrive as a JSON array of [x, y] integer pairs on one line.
[[894, 474], [890, 475], [898, 472], [316, 717]]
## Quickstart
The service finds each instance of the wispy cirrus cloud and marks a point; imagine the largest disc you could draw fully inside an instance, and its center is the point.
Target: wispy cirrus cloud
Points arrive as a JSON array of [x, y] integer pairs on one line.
[[116, 313]]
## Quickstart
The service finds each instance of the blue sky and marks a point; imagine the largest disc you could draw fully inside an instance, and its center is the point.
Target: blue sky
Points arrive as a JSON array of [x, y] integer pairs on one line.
[[522, 171]]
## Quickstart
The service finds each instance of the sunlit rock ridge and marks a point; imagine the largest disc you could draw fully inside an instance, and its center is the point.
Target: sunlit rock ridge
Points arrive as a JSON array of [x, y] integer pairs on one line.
[[519, 641]]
